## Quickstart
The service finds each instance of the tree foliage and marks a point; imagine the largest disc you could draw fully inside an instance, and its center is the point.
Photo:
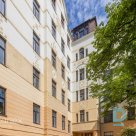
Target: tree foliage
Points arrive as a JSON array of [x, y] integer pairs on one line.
[[129, 132], [112, 67]]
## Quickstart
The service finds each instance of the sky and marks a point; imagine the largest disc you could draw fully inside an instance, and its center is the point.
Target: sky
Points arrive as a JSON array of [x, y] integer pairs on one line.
[[81, 10]]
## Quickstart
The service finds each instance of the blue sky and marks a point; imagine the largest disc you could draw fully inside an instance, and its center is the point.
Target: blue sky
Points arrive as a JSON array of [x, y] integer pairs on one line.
[[80, 10]]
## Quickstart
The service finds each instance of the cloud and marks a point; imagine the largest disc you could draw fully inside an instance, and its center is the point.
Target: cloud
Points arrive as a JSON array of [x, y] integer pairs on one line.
[[81, 10]]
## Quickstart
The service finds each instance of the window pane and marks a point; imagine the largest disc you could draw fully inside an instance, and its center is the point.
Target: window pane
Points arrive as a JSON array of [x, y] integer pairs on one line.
[[77, 96], [2, 43], [53, 88], [63, 71], [36, 78], [82, 74], [54, 119], [108, 117], [2, 7], [76, 75], [53, 59], [36, 114], [2, 56], [63, 97], [54, 4], [2, 101], [62, 46], [53, 29], [82, 114], [36, 10], [36, 43], [63, 122], [81, 53], [2, 106], [82, 95]]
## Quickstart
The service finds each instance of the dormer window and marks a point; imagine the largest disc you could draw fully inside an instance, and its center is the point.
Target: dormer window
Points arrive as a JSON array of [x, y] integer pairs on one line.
[[81, 33]]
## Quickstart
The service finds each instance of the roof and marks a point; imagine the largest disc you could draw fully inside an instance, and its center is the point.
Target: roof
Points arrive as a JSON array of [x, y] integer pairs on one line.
[[86, 22]]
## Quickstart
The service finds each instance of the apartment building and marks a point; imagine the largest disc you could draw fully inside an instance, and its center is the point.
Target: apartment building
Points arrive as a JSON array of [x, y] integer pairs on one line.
[[85, 109], [35, 71], [43, 85]]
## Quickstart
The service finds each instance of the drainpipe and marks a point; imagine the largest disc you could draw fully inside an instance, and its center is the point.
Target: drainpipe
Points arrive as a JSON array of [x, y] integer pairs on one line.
[[99, 111]]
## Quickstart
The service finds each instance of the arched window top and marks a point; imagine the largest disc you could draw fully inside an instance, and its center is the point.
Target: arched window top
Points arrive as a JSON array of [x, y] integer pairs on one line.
[[81, 53]]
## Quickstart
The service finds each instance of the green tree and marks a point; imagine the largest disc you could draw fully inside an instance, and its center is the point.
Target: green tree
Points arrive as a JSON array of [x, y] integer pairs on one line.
[[112, 66], [129, 132]]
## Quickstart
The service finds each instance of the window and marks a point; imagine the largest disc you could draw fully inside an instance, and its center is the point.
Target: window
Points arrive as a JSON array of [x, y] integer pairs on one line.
[[77, 118], [131, 113], [69, 127], [86, 52], [63, 71], [108, 117], [53, 59], [82, 95], [36, 43], [68, 62], [62, 21], [81, 33], [87, 94], [77, 96], [76, 57], [81, 53], [77, 76], [68, 41], [36, 78], [86, 30], [36, 9], [2, 51], [69, 105], [87, 116], [54, 119], [2, 101], [82, 74], [53, 29], [54, 4], [3, 7], [68, 84], [36, 114], [63, 122], [62, 46], [82, 116], [53, 88], [108, 133], [63, 97]]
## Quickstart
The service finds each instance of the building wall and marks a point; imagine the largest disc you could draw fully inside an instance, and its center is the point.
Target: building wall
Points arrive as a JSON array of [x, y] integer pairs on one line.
[[17, 75], [20, 96], [91, 105], [52, 103], [117, 130]]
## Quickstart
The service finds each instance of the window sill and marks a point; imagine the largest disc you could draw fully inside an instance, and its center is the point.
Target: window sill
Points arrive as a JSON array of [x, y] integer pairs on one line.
[[3, 65], [4, 16], [37, 88], [36, 123], [3, 116]]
